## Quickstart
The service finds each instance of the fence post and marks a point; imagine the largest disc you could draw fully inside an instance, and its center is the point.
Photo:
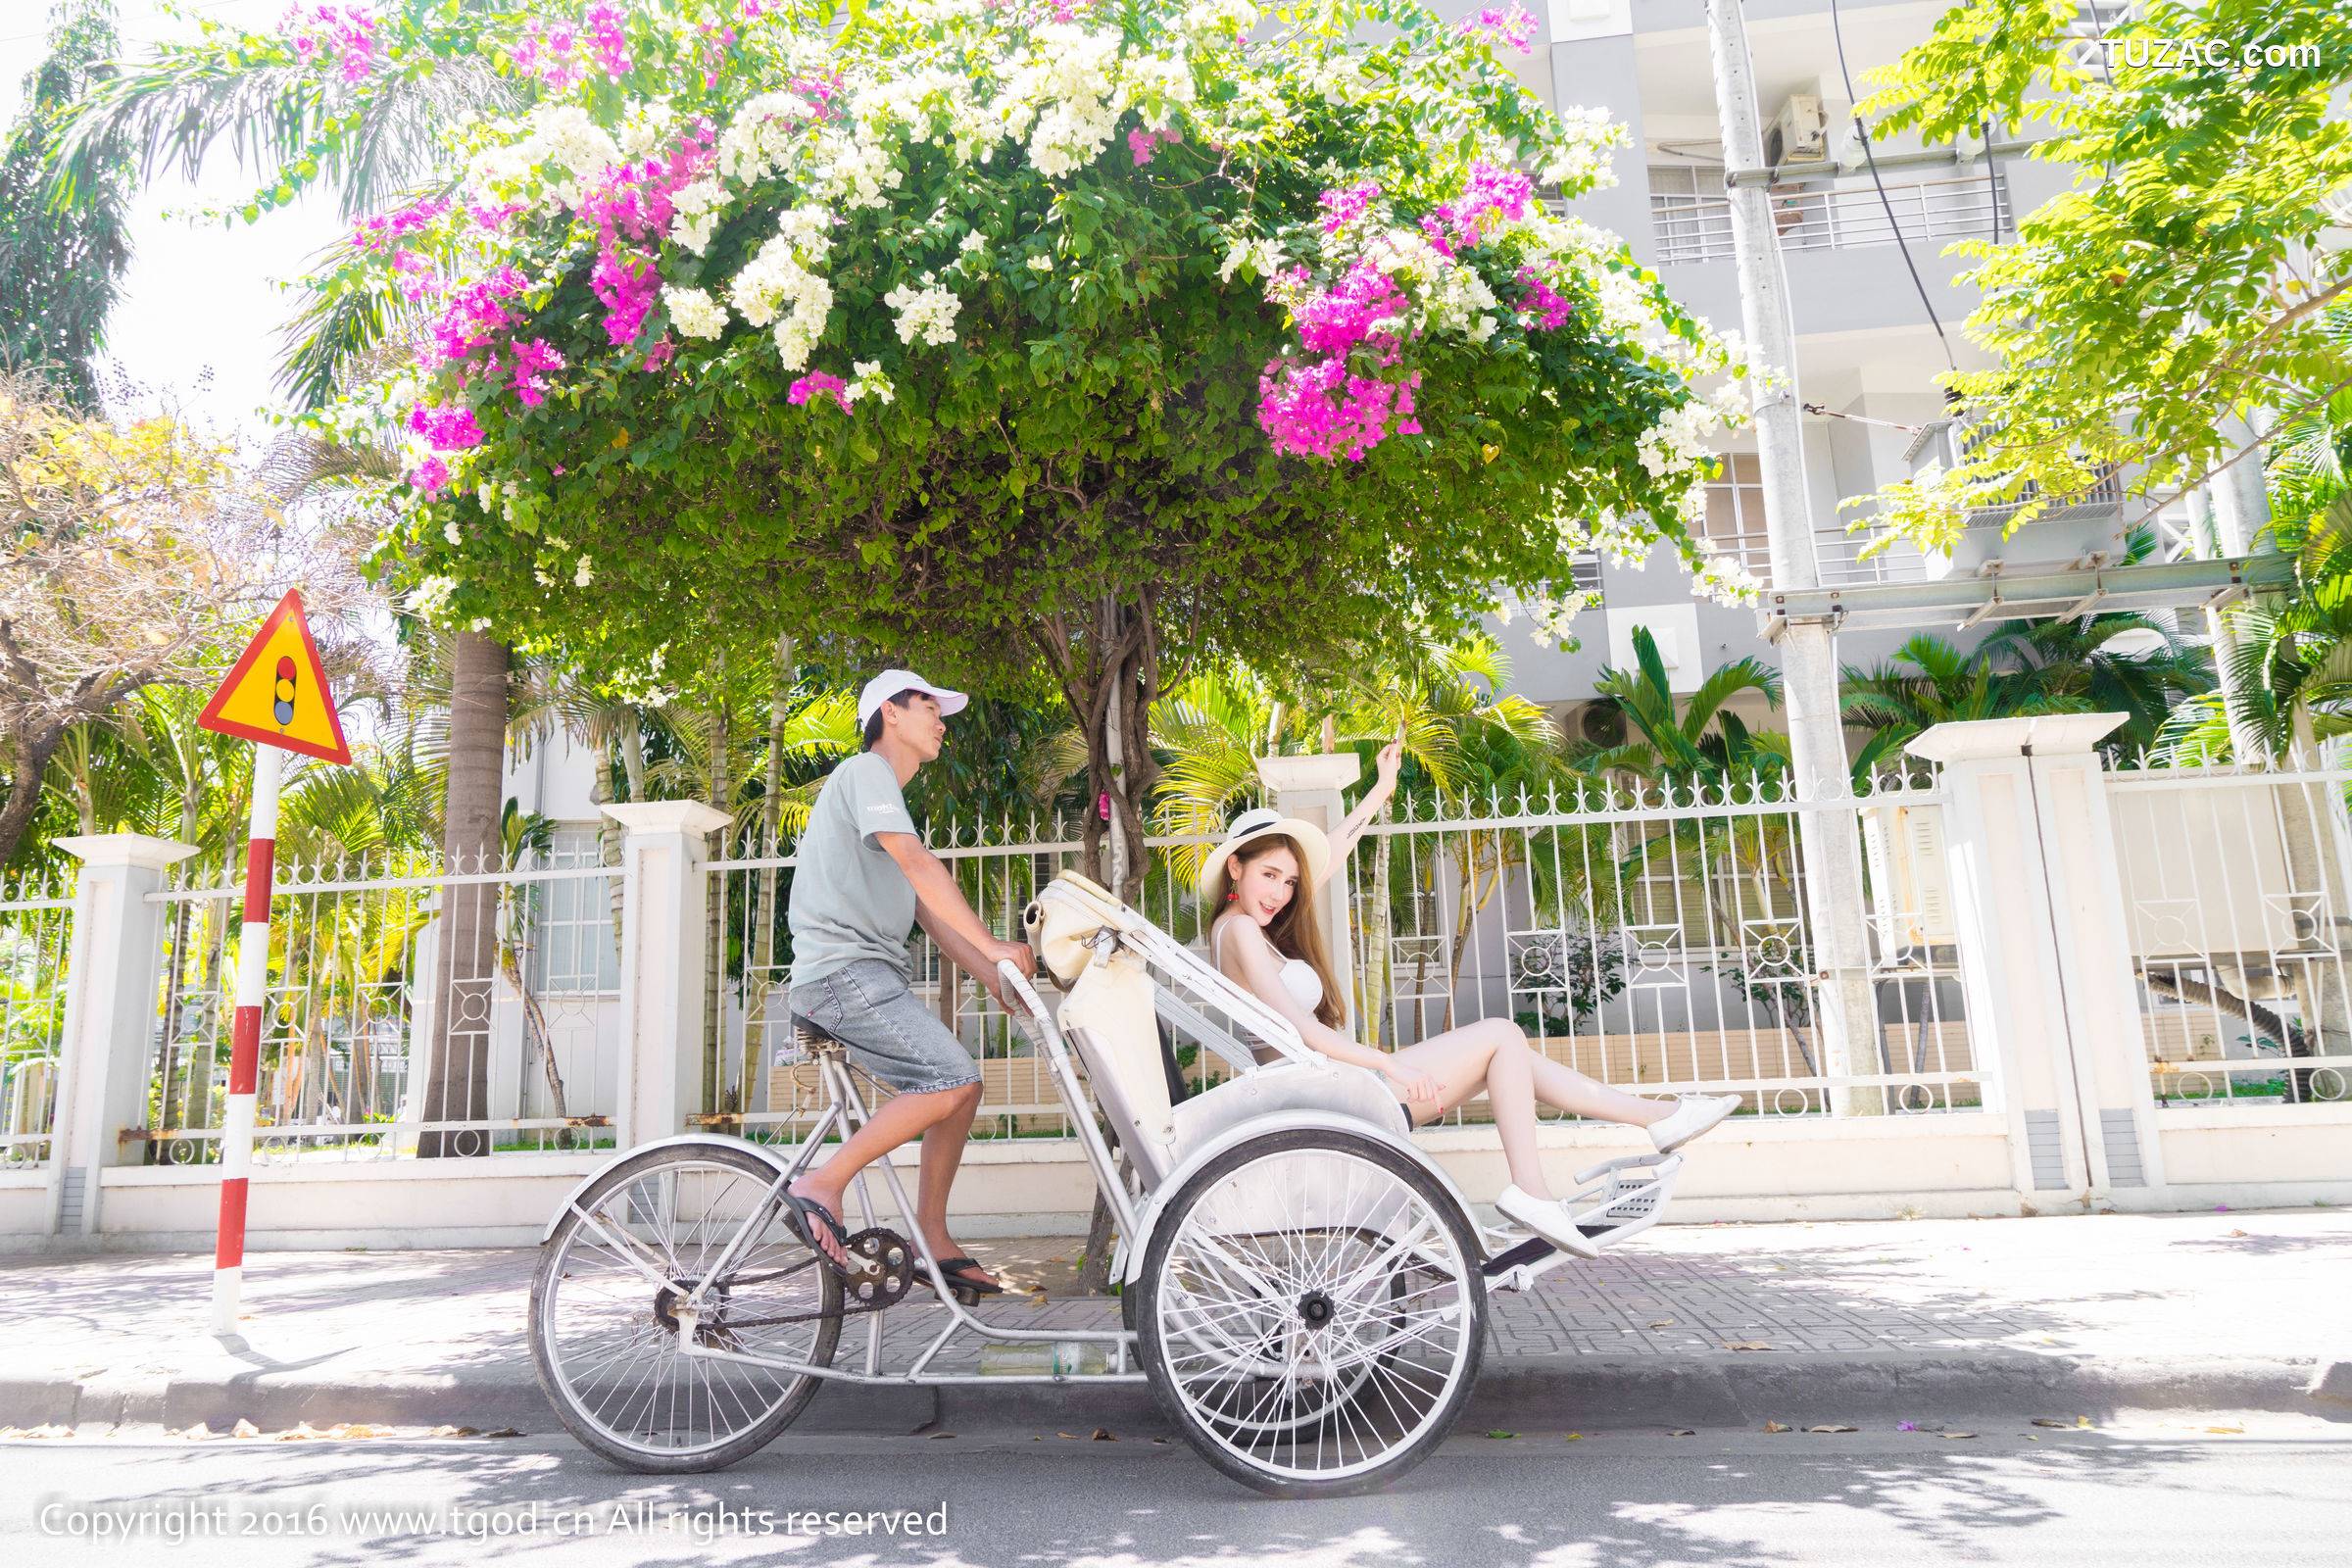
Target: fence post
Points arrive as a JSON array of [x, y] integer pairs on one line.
[[663, 912], [110, 1015], [1309, 787], [2045, 949]]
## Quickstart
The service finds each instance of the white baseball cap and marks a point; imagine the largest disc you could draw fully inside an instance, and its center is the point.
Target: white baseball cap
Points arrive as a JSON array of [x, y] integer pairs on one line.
[[892, 682]]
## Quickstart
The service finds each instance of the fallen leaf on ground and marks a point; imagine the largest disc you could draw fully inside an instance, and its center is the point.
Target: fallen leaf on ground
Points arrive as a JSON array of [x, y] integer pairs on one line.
[[1682, 1432], [2053, 1421], [454, 1431], [1663, 1323], [244, 1429], [198, 1432], [1955, 1436], [504, 1432], [1160, 1439], [1068, 1436], [1746, 1344], [1833, 1429], [1774, 1426], [1103, 1435], [2237, 1233], [936, 1436], [1499, 1433], [1574, 1435], [1906, 1425], [2229, 1431]]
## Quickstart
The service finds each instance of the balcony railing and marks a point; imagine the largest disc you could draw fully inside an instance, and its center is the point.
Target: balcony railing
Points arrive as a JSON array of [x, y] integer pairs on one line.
[[1949, 443], [1845, 217]]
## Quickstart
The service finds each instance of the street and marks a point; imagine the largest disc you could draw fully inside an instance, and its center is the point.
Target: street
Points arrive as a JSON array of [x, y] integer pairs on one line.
[[2263, 1490]]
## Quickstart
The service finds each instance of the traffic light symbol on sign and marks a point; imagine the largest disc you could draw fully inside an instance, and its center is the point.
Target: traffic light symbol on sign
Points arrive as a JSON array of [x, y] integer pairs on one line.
[[277, 693]]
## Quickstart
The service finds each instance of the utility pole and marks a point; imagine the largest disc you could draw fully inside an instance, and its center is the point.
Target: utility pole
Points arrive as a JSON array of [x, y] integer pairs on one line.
[[1829, 842]]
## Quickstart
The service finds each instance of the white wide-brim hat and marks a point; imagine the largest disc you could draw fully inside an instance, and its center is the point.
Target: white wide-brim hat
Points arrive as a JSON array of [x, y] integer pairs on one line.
[[891, 682], [1265, 822]]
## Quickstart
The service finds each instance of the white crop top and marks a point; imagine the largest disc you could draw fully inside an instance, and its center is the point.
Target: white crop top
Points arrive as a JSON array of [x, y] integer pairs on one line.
[[1299, 976]]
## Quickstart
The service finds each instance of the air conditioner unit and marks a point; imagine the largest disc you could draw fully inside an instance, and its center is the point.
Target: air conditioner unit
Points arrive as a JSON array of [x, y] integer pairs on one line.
[[1910, 884], [1799, 133], [1601, 724]]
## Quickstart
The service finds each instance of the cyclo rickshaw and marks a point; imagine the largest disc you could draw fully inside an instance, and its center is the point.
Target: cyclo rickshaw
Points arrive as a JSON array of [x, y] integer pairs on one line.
[[1303, 1288]]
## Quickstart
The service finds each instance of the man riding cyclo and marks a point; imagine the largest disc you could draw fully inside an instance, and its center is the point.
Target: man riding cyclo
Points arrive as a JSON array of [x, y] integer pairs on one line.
[[864, 876]]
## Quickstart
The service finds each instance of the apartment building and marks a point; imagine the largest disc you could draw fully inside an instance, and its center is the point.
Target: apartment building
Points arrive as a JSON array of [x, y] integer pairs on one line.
[[1867, 352]]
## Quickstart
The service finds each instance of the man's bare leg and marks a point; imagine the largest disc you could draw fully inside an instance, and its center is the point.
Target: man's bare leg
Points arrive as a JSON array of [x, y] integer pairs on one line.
[[900, 1119], [943, 1154]]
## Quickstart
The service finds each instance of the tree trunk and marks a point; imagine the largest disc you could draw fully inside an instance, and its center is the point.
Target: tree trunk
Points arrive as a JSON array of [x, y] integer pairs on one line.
[[458, 1086], [1110, 674], [31, 747], [761, 949], [537, 1036]]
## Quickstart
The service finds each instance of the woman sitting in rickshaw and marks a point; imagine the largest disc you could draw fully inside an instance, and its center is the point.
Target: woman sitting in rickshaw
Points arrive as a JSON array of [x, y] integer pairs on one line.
[[1266, 937]]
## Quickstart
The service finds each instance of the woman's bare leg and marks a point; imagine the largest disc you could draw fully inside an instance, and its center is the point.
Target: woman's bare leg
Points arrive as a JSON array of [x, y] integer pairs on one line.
[[1490, 1055], [1496, 1055], [1563, 1088]]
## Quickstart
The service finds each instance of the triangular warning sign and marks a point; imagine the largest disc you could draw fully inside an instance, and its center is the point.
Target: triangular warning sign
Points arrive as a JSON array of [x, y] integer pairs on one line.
[[277, 693]]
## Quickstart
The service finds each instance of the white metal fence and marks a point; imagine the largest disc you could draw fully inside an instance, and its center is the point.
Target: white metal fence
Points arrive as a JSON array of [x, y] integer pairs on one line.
[[1692, 217], [37, 932], [409, 1011], [1001, 868], [2238, 894], [1656, 939]]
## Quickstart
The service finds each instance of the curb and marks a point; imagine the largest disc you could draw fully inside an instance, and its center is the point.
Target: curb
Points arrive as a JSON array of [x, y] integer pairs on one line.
[[1598, 1392]]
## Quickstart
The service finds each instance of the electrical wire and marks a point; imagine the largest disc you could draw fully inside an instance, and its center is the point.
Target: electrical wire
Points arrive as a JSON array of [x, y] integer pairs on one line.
[[1837, 34]]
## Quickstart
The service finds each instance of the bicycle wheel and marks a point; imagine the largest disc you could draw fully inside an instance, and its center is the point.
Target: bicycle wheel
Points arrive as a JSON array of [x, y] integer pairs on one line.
[[1312, 1315], [604, 1320]]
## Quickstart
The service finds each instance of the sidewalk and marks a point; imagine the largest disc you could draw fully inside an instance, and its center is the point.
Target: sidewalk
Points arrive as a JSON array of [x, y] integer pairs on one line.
[[1685, 1326]]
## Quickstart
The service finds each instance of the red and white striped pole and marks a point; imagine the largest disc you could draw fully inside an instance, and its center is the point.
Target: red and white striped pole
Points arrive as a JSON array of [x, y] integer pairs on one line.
[[245, 1040]]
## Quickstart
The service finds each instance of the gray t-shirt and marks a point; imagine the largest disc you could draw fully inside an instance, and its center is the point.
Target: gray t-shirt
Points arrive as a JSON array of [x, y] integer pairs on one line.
[[849, 900]]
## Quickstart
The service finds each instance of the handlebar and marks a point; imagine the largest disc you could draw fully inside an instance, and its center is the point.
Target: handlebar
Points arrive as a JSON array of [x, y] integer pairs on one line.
[[1017, 991]]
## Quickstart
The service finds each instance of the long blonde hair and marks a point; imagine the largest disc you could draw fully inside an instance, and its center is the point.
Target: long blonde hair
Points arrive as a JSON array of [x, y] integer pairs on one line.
[[1297, 932]]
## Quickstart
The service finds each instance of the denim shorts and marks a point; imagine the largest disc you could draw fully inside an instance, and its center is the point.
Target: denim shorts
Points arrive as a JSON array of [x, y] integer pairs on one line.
[[868, 1007]]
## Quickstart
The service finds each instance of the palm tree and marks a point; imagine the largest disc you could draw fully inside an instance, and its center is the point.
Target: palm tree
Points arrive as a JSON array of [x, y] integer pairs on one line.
[[1677, 738], [1695, 751], [372, 141]]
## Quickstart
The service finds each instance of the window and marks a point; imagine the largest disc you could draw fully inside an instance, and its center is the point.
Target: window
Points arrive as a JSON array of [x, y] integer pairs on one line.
[[573, 951]]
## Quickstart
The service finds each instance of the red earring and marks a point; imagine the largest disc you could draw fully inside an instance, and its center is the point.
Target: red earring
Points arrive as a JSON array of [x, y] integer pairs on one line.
[[1230, 897]]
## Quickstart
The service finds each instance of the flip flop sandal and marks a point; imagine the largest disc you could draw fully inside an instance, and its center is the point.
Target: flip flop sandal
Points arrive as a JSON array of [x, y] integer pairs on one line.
[[800, 1213], [957, 1272]]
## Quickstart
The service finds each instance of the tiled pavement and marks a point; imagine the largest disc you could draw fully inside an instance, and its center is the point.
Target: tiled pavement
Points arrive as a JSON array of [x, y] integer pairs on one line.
[[2137, 1287]]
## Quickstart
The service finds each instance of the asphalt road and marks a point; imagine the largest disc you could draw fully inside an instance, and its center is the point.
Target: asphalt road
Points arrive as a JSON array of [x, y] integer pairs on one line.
[[2270, 1490]]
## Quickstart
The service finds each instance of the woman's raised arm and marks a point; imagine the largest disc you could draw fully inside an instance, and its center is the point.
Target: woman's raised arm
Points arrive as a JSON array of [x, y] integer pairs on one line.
[[1352, 827]]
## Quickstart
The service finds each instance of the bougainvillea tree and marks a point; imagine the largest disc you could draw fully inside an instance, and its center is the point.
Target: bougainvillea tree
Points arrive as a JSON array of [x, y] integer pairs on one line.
[[1108, 336]]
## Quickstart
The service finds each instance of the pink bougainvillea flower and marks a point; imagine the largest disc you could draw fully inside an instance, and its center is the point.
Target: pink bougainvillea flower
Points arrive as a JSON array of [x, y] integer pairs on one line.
[[1542, 304], [449, 428], [1342, 207], [1142, 143], [429, 478], [1510, 25], [344, 34], [818, 385]]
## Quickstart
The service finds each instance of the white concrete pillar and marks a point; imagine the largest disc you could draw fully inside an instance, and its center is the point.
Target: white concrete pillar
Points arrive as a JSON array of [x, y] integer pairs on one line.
[[664, 909], [1310, 787], [2044, 951], [112, 996]]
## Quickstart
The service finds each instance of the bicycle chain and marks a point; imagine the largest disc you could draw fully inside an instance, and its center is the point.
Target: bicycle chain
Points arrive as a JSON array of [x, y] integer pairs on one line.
[[887, 1279]]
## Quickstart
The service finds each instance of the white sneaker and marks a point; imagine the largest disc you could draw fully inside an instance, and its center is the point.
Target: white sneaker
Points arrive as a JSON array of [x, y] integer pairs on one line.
[[1691, 1115], [1548, 1217]]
